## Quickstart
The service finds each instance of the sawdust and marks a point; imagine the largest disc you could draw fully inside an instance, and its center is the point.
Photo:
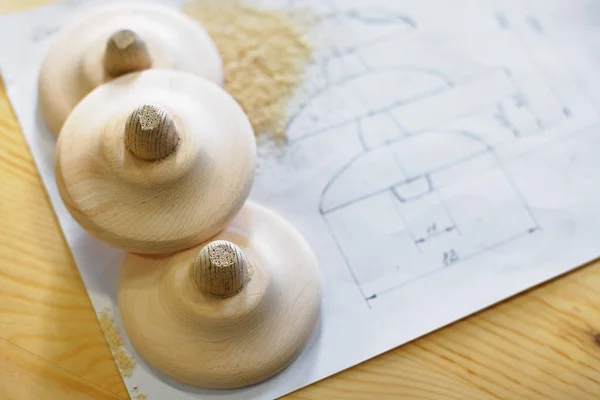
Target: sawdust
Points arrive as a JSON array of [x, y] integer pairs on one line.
[[138, 395], [264, 54], [125, 362]]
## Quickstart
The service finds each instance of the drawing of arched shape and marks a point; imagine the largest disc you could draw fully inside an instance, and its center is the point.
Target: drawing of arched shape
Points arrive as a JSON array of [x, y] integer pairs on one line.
[[420, 203], [362, 95], [349, 30], [405, 160]]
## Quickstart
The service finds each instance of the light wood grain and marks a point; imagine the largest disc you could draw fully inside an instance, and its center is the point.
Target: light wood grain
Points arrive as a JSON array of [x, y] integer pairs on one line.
[[83, 54], [543, 344], [44, 308], [229, 342], [25, 376], [196, 181]]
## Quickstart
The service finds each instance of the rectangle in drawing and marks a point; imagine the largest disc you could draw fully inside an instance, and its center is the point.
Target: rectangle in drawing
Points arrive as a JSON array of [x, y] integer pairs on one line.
[[488, 209], [372, 236]]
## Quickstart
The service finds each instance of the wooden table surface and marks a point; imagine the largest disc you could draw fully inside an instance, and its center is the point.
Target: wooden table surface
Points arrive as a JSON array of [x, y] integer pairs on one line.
[[543, 344]]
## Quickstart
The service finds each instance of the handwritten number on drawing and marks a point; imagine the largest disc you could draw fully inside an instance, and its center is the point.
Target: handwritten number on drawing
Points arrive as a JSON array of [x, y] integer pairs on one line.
[[450, 257], [431, 229]]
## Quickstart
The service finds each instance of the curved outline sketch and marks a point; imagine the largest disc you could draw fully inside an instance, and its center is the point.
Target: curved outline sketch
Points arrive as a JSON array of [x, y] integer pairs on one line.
[[366, 16], [445, 82], [412, 122], [376, 152], [480, 149]]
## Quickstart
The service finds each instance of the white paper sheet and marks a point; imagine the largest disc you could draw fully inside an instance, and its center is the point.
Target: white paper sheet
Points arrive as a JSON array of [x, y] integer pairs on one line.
[[442, 157]]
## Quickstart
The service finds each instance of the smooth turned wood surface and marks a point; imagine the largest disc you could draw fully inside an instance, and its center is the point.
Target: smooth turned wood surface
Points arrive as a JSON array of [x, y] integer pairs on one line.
[[164, 143], [544, 344], [105, 41], [233, 333]]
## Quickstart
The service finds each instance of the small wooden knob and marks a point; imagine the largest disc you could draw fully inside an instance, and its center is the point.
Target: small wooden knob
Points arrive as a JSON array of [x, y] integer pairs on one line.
[[221, 268], [94, 48], [150, 133], [126, 52]]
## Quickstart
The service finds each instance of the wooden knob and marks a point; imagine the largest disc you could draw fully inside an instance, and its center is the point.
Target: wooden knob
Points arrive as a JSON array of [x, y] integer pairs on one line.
[[228, 313], [93, 49], [221, 268], [107, 161], [150, 133]]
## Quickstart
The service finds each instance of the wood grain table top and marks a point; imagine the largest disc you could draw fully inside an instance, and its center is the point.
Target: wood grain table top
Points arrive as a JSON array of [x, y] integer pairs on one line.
[[542, 344]]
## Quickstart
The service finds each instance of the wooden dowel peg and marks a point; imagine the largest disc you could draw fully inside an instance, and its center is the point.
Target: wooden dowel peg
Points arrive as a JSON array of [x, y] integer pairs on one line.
[[150, 133], [221, 268], [126, 52], [117, 38]]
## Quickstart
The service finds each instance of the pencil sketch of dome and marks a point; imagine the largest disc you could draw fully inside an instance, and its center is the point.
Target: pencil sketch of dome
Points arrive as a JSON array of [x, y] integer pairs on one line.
[[395, 142], [404, 199]]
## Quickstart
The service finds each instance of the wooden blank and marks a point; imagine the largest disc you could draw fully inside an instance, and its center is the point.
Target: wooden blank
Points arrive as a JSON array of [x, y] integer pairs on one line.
[[77, 60], [230, 342], [160, 206]]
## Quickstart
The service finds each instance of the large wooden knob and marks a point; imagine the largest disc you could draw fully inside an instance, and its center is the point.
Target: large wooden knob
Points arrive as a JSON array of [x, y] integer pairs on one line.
[[155, 161], [228, 313], [115, 39]]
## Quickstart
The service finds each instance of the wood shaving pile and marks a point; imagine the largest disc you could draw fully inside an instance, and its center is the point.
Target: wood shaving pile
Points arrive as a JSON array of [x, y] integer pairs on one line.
[[263, 52], [125, 362]]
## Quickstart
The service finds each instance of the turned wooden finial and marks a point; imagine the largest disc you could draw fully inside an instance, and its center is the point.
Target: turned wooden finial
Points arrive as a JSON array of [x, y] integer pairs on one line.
[[150, 133], [126, 52], [81, 56], [220, 269], [273, 300], [174, 152]]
